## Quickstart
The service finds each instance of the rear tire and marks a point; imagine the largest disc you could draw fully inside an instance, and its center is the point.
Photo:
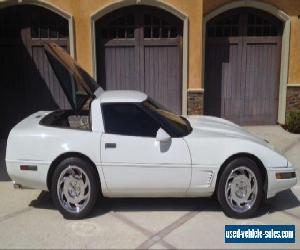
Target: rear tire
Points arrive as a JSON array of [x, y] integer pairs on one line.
[[75, 188], [240, 188]]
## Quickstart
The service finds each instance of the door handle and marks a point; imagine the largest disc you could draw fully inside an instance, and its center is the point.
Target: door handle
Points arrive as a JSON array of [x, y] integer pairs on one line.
[[110, 145]]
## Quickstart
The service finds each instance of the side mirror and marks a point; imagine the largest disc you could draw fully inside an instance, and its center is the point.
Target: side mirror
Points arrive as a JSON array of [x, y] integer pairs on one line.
[[162, 136]]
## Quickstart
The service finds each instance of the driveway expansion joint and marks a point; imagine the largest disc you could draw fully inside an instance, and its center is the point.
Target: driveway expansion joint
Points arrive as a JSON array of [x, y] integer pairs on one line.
[[291, 145], [14, 214], [152, 236], [159, 236]]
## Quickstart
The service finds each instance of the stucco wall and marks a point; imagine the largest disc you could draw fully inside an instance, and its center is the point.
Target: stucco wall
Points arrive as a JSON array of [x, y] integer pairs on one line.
[[290, 7]]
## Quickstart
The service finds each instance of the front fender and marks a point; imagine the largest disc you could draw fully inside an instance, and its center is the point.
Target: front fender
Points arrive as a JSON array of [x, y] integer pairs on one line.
[[215, 151]]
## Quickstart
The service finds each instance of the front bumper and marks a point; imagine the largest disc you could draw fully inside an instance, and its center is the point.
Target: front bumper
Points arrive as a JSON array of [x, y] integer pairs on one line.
[[275, 185]]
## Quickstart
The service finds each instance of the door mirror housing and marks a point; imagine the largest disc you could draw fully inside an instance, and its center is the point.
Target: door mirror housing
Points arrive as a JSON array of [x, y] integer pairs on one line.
[[162, 136]]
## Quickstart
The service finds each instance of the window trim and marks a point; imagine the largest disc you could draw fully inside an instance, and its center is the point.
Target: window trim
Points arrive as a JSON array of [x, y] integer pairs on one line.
[[150, 113], [164, 123], [140, 107]]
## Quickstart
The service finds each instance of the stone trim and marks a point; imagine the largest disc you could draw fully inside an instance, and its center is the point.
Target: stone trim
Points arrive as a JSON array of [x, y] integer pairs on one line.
[[195, 104], [196, 90], [293, 99]]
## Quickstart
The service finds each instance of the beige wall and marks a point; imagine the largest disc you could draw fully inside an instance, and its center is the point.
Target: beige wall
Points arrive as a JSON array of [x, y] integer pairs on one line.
[[290, 7], [294, 64]]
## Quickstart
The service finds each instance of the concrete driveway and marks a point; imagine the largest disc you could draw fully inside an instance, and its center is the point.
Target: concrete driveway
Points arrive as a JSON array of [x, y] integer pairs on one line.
[[29, 220]]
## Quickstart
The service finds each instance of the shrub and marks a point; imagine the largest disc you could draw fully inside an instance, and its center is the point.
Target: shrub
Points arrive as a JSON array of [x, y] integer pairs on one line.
[[293, 122]]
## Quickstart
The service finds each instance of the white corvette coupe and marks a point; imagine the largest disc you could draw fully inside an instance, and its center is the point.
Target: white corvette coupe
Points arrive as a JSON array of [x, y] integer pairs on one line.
[[122, 144]]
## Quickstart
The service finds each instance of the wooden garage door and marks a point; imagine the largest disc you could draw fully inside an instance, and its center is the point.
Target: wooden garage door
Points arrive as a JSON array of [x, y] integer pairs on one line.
[[242, 67], [27, 82], [139, 48]]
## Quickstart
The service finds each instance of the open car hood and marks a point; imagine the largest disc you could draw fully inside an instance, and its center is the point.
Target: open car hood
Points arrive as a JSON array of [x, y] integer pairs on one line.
[[77, 84]]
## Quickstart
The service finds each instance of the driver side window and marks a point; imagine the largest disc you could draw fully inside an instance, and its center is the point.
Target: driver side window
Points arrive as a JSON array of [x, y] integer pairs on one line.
[[128, 119]]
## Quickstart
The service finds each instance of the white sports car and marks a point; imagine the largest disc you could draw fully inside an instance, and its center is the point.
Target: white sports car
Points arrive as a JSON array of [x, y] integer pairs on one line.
[[122, 144]]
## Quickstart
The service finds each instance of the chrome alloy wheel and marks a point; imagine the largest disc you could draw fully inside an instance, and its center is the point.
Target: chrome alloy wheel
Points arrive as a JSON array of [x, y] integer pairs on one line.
[[73, 189], [241, 189]]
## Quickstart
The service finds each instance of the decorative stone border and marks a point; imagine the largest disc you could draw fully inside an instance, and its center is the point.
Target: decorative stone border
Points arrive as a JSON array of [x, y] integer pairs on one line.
[[293, 98], [195, 102]]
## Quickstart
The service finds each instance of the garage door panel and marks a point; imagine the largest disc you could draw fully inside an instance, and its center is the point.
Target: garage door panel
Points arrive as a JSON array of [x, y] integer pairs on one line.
[[173, 83], [145, 57], [232, 85], [119, 68], [260, 94], [213, 79], [27, 81], [245, 88], [162, 74], [13, 102], [46, 81], [222, 80]]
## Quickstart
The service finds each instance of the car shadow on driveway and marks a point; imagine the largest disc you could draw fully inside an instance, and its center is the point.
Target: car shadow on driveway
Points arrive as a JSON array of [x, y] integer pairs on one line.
[[283, 201], [106, 205]]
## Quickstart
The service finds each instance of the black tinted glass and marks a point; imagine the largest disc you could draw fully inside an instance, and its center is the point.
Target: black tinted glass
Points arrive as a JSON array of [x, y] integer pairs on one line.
[[128, 119]]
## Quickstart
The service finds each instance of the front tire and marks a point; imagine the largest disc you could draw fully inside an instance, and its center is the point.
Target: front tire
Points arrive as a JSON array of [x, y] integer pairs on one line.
[[75, 188], [240, 188]]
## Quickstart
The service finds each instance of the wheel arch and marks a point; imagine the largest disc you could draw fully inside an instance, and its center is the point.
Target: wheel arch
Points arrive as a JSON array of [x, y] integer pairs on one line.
[[252, 157], [64, 156]]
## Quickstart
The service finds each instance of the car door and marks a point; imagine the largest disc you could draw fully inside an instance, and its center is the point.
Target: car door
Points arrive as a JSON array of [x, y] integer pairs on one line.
[[134, 162]]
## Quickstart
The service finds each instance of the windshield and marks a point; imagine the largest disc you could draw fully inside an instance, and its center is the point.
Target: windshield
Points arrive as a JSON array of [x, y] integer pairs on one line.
[[176, 126]]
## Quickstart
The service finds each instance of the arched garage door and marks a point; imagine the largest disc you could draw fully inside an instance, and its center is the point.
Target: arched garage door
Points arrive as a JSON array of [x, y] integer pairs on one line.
[[27, 82], [242, 66], [140, 48]]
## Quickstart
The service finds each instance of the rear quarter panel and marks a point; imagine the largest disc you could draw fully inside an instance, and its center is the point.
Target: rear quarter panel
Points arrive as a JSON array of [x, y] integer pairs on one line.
[[41, 145]]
